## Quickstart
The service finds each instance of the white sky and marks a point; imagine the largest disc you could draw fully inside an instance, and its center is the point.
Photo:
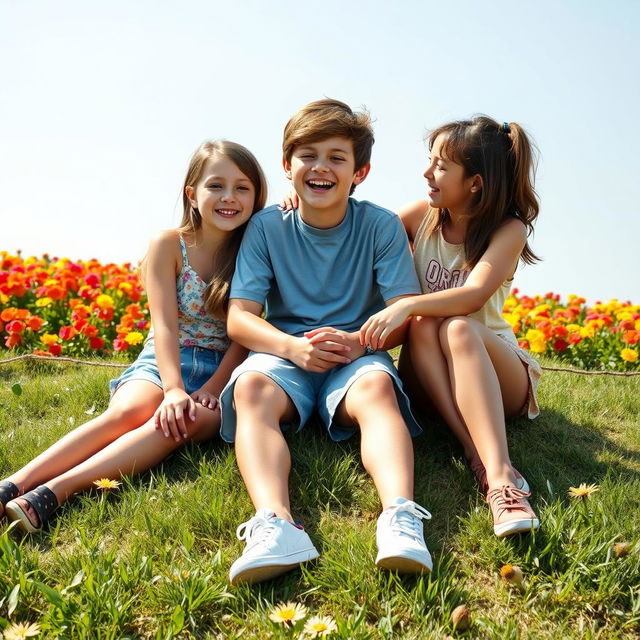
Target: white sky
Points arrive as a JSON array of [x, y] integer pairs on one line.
[[101, 105]]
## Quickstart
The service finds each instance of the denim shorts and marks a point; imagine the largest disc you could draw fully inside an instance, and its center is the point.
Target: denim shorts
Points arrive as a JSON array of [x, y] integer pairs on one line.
[[309, 390], [197, 365]]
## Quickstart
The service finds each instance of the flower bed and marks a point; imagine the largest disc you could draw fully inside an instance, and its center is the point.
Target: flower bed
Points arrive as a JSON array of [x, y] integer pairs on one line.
[[56, 306]]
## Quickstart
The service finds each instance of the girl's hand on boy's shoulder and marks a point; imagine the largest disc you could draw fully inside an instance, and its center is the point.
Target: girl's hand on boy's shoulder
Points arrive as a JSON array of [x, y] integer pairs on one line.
[[171, 415], [206, 399], [290, 201]]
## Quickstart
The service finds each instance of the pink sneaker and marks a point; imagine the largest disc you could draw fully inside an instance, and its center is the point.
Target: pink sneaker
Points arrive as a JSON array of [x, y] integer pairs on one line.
[[512, 512]]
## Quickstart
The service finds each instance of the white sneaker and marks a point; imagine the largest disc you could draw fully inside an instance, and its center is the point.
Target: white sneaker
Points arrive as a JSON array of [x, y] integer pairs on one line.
[[400, 538], [274, 546]]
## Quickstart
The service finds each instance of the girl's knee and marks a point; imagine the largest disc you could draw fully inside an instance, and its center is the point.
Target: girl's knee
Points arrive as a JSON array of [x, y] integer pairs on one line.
[[458, 333]]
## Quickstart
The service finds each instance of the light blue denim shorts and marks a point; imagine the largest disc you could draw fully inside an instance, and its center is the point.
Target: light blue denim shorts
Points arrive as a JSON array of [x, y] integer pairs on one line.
[[197, 365], [308, 390]]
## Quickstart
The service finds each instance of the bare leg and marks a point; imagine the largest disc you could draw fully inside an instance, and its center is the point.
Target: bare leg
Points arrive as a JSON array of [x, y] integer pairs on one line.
[[133, 452], [261, 450], [488, 380], [132, 405], [427, 362], [387, 450]]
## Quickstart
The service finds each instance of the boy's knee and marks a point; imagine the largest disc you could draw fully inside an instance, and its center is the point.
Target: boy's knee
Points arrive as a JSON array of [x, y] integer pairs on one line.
[[372, 388], [253, 388]]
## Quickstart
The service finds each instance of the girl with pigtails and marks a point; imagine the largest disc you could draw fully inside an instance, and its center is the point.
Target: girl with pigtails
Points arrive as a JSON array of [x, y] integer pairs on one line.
[[462, 358]]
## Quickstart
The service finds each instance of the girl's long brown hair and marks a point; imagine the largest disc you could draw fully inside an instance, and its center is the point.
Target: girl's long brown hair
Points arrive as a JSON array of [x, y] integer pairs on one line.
[[217, 291], [503, 156]]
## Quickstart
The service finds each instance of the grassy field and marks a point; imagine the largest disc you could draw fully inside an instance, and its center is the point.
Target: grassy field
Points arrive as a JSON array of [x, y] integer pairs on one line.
[[150, 560]]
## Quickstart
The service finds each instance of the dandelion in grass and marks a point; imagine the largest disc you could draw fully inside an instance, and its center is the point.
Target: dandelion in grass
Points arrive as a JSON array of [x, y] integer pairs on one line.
[[319, 626], [106, 484], [621, 549], [21, 630], [288, 613], [512, 574], [584, 491]]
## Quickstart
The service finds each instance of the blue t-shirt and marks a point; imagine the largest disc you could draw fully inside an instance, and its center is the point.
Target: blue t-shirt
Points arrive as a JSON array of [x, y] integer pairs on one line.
[[308, 278]]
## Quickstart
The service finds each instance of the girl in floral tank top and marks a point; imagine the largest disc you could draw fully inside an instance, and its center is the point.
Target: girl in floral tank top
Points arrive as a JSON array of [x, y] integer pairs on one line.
[[169, 395]]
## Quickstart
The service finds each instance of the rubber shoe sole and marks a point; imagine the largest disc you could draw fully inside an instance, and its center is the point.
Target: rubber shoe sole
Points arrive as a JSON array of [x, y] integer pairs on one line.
[[405, 564], [514, 527], [260, 570], [17, 514]]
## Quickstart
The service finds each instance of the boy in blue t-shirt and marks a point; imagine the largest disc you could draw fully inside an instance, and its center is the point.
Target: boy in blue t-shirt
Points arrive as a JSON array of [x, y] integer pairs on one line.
[[319, 272]]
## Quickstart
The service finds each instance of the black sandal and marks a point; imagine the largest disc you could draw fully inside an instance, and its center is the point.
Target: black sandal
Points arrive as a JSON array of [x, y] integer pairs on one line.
[[8, 491], [42, 500]]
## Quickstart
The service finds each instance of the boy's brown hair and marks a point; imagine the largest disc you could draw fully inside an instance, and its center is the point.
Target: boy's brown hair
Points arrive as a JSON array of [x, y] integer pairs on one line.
[[327, 118]]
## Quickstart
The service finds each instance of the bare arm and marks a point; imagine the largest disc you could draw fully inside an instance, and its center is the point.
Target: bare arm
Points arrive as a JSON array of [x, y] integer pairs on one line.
[[496, 265], [162, 267]]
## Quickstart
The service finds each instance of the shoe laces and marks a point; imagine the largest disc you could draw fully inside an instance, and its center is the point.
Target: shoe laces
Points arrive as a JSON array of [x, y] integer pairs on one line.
[[257, 530], [508, 498], [406, 518]]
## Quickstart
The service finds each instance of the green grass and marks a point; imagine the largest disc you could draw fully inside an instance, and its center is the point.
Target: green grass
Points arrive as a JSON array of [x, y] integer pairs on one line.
[[151, 560]]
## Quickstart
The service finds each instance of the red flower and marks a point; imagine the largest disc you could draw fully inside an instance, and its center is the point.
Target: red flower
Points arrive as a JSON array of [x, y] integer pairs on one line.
[[560, 344], [96, 343], [15, 326], [524, 344], [67, 332], [560, 331], [120, 345], [574, 338], [92, 280], [55, 292], [55, 349]]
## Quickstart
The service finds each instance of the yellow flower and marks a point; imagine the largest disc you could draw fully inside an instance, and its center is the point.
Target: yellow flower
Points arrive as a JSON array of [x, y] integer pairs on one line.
[[584, 491], [21, 630], [588, 332], [573, 328], [134, 337], [49, 338], [43, 302], [629, 355], [319, 626], [105, 484], [127, 287], [104, 301], [537, 346], [511, 573], [288, 613]]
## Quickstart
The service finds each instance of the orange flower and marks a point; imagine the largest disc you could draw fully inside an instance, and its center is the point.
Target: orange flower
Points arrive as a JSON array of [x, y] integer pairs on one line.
[[35, 323], [8, 314], [13, 340]]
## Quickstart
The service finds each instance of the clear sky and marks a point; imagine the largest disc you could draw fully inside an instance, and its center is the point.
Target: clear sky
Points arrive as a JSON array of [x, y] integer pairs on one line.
[[101, 105]]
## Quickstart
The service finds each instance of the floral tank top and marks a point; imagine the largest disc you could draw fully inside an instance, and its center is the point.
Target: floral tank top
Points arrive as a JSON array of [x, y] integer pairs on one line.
[[196, 328]]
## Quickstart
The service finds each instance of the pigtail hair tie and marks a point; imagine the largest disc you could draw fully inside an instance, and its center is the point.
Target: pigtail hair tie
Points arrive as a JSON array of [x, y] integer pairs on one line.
[[506, 128]]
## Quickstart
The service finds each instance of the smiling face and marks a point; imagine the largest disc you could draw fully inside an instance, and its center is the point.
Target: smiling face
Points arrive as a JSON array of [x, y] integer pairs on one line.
[[223, 195], [322, 174], [449, 187]]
